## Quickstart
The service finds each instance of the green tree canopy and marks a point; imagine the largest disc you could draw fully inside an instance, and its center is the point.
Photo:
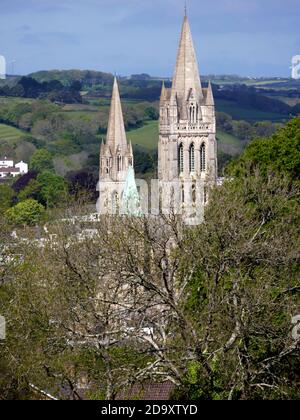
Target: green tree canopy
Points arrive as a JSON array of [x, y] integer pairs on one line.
[[280, 153], [41, 161], [53, 188], [28, 212], [6, 197]]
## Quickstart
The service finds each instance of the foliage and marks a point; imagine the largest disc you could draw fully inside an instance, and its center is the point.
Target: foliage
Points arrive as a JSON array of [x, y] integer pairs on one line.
[[52, 189], [280, 153], [23, 181], [244, 293], [83, 182], [6, 197], [27, 87], [41, 161], [28, 212]]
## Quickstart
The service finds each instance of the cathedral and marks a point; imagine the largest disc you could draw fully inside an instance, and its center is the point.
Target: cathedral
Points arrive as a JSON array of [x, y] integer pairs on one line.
[[187, 147]]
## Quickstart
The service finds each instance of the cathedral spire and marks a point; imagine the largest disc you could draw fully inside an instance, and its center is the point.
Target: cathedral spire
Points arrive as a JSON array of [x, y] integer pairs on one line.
[[186, 77], [116, 135]]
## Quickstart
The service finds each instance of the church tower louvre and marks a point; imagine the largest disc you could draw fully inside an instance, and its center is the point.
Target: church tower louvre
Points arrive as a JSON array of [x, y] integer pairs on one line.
[[116, 156], [187, 149]]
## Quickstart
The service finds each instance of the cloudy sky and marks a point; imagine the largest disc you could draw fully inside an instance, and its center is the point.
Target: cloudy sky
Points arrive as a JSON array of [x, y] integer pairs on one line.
[[246, 37]]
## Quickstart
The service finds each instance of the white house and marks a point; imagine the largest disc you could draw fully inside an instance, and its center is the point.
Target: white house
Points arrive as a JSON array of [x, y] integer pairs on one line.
[[23, 167], [8, 168], [6, 163]]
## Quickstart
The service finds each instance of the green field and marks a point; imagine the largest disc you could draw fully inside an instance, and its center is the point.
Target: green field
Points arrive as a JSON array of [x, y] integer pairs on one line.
[[9, 134], [4, 100], [146, 136], [229, 144]]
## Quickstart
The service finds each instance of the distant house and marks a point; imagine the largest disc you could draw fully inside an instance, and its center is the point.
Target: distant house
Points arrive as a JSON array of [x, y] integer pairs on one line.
[[9, 168]]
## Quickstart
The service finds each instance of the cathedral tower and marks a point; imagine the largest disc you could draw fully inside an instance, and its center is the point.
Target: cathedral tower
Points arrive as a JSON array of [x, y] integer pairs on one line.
[[187, 150], [115, 158]]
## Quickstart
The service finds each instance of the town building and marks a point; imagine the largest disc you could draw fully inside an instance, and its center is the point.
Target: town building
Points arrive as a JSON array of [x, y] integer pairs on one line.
[[9, 169]]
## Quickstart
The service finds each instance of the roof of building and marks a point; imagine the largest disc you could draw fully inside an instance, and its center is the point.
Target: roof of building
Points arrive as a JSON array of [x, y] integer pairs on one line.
[[9, 170], [5, 158]]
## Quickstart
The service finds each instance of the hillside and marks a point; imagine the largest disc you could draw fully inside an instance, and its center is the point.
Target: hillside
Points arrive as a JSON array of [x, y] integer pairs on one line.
[[66, 112]]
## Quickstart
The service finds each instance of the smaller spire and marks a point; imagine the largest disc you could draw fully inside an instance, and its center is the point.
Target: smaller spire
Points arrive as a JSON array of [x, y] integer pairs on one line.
[[210, 96], [163, 95], [102, 145], [130, 148]]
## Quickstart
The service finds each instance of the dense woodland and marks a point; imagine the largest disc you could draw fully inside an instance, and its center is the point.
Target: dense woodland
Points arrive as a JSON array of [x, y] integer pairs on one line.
[[209, 309]]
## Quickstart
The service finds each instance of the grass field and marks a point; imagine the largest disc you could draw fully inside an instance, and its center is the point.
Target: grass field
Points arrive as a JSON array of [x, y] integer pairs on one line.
[[11, 100], [146, 136], [10, 134], [229, 144]]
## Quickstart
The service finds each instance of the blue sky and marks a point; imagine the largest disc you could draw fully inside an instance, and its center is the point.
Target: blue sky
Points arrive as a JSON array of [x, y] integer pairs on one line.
[[246, 37]]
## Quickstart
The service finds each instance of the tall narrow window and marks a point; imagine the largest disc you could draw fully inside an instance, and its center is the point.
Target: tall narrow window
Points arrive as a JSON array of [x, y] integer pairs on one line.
[[182, 194], [192, 158], [194, 193], [115, 203], [203, 158], [160, 204], [180, 159], [205, 195], [119, 163], [193, 113]]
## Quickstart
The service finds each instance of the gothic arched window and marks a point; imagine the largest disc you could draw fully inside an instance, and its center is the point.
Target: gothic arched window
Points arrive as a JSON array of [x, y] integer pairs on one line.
[[160, 204], [180, 159], [119, 160], [115, 203], [203, 158], [205, 195], [107, 166], [182, 194], [192, 158], [193, 113], [194, 193]]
